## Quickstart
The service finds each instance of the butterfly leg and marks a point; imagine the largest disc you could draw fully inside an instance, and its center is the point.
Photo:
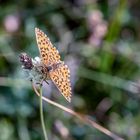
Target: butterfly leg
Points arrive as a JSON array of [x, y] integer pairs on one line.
[[45, 77], [47, 82], [39, 83]]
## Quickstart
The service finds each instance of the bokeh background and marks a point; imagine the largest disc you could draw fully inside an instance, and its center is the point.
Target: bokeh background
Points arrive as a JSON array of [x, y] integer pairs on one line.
[[100, 42]]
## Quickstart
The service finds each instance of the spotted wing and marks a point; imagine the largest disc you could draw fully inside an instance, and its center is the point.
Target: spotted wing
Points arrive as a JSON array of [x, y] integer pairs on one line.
[[49, 54], [61, 78]]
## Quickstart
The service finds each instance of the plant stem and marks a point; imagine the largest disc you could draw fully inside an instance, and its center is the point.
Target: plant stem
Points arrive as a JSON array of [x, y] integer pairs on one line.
[[83, 118], [42, 117]]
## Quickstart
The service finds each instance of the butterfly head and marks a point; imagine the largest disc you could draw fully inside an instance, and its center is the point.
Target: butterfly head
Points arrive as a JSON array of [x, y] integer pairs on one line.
[[49, 68]]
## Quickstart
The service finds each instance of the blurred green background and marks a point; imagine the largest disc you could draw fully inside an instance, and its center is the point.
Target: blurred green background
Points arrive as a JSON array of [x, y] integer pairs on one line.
[[99, 41]]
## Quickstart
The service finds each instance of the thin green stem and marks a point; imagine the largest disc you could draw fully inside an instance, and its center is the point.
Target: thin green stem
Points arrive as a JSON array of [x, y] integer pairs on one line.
[[41, 116]]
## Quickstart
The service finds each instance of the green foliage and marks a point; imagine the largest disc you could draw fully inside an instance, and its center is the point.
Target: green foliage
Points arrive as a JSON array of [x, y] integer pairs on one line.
[[100, 43]]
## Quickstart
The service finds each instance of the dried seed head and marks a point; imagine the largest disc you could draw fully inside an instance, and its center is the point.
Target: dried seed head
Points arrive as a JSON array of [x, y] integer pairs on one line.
[[26, 61]]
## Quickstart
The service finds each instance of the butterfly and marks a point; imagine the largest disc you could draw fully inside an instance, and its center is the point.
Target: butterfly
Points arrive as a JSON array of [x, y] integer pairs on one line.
[[58, 71]]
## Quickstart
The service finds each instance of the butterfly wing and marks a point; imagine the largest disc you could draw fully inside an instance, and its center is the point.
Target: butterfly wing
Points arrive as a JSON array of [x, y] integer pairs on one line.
[[48, 53], [50, 57], [60, 78]]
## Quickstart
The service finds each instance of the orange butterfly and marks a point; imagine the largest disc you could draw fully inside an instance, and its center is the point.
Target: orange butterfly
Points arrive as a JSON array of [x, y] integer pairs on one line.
[[58, 72]]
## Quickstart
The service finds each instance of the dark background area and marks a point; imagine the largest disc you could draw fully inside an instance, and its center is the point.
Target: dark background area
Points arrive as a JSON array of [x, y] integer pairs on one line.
[[99, 41]]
